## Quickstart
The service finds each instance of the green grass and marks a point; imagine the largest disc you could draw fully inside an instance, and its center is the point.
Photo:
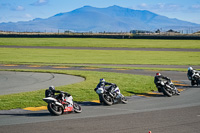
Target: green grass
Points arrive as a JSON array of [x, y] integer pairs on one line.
[[129, 84], [83, 91], [99, 42], [66, 56]]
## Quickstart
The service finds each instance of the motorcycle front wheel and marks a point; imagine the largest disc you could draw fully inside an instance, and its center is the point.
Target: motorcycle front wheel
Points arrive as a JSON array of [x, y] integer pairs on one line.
[[54, 109], [106, 99], [166, 92], [124, 100], [77, 108]]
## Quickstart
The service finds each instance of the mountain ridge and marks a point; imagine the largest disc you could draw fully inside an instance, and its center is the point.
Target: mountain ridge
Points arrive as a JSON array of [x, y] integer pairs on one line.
[[110, 19]]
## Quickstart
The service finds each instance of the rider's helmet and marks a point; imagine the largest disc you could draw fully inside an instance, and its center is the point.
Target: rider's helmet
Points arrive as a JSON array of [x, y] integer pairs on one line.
[[158, 74], [51, 88], [102, 80], [190, 68]]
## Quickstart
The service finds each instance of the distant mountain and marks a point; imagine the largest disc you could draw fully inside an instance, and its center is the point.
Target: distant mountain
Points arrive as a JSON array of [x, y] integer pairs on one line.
[[110, 19]]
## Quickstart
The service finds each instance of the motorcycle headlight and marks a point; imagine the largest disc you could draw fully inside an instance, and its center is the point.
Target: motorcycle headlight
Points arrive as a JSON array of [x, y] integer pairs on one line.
[[162, 83], [99, 91]]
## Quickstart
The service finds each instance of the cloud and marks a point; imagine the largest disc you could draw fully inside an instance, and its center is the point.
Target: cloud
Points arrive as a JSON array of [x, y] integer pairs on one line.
[[160, 7], [143, 5], [40, 3], [195, 7], [28, 16], [18, 8], [12, 7], [168, 7]]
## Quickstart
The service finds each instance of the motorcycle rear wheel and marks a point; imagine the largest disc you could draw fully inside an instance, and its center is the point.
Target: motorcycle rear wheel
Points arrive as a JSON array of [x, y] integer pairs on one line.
[[54, 109], [106, 99], [77, 108]]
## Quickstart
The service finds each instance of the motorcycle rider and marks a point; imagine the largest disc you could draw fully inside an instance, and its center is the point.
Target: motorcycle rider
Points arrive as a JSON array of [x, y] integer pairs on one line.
[[51, 93], [102, 83], [160, 77], [190, 74]]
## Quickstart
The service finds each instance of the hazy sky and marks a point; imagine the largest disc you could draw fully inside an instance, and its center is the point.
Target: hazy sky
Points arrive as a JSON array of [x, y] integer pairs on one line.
[[24, 10]]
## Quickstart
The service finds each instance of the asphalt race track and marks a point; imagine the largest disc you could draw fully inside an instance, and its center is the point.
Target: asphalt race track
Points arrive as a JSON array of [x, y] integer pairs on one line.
[[158, 114], [103, 48], [15, 82]]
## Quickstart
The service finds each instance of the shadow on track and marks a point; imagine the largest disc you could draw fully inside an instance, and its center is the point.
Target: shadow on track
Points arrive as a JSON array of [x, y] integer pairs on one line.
[[31, 114], [89, 104], [43, 113], [156, 94]]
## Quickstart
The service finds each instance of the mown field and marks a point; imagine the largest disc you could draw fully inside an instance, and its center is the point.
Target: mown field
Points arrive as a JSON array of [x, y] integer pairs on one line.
[[69, 56], [129, 84], [98, 42]]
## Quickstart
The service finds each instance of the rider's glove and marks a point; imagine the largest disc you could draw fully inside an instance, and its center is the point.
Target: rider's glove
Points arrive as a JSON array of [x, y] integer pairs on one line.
[[167, 78], [113, 84], [68, 95]]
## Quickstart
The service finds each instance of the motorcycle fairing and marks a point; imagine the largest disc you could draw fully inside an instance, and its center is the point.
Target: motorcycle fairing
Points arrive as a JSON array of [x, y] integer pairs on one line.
[[99, 90]]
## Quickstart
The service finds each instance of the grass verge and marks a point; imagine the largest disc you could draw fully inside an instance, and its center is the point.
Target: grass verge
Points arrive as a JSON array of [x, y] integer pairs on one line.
[[63, 56], [84, 91], [102, 42]]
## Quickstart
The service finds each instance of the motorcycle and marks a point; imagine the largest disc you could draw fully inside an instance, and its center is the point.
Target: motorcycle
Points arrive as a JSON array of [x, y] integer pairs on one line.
[[110, 95], [167, 88], [58, 106], [195, 79]]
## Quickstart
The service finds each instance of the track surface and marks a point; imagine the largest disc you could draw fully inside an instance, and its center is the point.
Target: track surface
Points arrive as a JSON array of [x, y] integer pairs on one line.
[[158, 113], [104, 48], [15, 82]]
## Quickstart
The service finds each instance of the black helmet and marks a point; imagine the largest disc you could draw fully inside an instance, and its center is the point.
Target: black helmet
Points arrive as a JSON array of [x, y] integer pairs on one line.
[[51, 88]]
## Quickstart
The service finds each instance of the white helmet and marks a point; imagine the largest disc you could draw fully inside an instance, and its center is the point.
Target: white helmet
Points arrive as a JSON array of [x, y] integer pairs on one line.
[[190, 68], [102, 80]]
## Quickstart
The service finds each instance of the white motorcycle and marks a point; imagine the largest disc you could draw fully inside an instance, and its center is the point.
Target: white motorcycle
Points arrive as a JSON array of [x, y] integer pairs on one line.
[[62, 104], [110, 95]]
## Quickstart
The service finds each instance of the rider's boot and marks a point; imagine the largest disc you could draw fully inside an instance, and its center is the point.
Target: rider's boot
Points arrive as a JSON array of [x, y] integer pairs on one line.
[[177, 92]]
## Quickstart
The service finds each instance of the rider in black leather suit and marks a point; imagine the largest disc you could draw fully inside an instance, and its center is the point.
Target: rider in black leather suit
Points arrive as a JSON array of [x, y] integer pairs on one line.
[[102, 84]]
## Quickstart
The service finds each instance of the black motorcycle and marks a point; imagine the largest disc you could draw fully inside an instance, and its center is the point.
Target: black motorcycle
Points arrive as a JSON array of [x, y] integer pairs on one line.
[[166, 87], [195, 79], [110, 95]]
